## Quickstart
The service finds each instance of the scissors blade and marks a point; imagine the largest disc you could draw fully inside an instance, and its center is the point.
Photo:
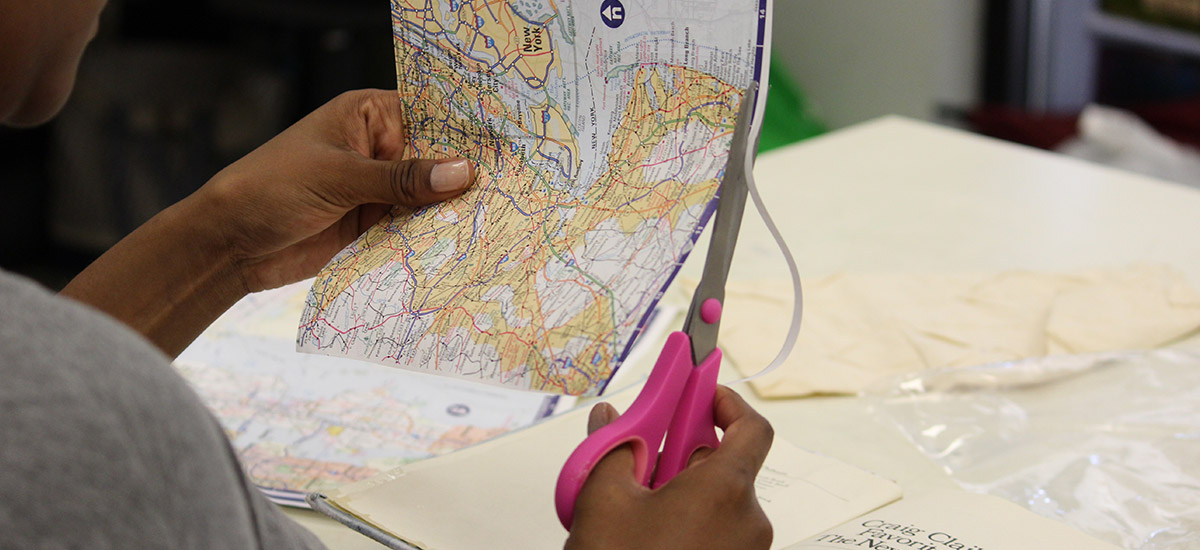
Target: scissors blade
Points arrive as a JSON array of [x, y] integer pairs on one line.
[[731, 203]]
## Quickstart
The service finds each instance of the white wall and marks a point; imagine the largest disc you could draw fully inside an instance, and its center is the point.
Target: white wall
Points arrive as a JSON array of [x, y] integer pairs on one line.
[[860, 59]]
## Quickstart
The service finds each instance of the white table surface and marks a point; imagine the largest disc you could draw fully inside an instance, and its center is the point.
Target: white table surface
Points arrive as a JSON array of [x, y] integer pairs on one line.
[[897, 195]]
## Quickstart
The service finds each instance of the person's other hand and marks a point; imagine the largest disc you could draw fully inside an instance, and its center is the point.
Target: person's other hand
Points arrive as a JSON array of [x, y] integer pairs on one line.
[[711, 504], [287, 207], [274, 217]]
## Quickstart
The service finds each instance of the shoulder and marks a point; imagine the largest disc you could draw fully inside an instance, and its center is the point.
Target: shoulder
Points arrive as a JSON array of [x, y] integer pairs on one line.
[[51, 342], [96, 418], [63, 356], [70, 368], [42, 322]]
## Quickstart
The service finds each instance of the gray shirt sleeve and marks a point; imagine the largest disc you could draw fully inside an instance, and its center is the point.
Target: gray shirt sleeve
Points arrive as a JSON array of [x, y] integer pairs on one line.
[[104, 445]]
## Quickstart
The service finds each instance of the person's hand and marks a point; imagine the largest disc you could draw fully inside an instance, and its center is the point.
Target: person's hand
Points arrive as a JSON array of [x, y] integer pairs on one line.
[[710, 504], [285, 209], [274, 217]]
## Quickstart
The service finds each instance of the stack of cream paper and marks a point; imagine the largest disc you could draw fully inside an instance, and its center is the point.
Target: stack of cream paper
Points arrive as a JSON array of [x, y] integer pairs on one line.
[[500, 494]]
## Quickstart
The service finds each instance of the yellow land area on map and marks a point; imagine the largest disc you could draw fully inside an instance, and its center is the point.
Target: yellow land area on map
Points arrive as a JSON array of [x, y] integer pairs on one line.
[[499, 268]]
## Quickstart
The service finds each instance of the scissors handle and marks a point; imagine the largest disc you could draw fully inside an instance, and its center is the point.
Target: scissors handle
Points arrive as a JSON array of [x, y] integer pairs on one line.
[[642, 426], [692, 428]]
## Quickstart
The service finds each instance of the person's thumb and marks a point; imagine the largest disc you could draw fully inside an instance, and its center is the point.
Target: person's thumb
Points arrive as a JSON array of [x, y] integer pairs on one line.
[[417, 182], [600, 416]]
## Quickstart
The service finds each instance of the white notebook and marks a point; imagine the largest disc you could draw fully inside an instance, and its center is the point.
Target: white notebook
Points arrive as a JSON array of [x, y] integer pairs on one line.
[[500, 494]]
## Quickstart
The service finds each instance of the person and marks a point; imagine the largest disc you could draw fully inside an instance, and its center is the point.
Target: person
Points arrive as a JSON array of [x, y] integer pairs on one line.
[[104, 445]]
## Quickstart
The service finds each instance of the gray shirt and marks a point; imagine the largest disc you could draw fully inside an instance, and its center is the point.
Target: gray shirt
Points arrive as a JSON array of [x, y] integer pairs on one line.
[[104, 445]]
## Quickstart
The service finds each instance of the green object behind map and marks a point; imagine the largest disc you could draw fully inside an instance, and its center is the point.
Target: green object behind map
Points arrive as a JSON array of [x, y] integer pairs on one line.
[[787, 119]]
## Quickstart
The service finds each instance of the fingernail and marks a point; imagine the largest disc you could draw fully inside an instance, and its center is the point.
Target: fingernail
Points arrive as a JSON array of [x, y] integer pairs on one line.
[[450, 176], [601, 415]]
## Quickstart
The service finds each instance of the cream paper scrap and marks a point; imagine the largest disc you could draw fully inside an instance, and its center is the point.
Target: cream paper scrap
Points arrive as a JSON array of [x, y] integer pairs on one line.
[[859, 327]]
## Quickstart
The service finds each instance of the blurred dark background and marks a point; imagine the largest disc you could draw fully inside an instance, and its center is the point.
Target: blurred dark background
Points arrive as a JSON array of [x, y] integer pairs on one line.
[[1045, 60], [168, 96]]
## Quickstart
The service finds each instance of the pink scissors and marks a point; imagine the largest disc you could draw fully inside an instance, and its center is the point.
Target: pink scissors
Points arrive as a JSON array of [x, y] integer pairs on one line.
[[676, 402]]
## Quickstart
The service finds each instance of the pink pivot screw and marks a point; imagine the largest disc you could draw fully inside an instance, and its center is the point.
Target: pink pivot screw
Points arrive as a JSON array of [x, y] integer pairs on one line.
[[710, 311]]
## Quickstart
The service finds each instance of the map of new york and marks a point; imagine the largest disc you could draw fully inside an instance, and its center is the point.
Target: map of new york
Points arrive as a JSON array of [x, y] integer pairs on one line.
[[600, 131]]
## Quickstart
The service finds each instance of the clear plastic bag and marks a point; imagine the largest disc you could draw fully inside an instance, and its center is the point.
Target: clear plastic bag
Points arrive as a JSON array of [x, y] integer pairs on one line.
[[1108, 443]]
